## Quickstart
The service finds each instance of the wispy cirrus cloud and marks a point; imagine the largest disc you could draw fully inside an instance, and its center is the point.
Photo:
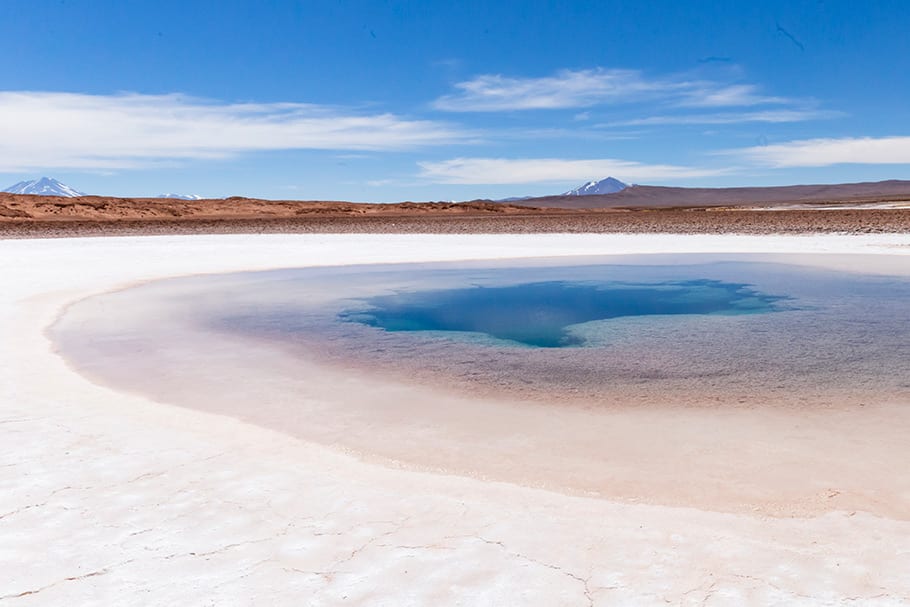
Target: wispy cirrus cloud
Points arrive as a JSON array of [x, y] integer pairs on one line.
[[565, 89], [711, 94], [592, 87], [768, 116], [78, 131], [495, 171], [829, 151]]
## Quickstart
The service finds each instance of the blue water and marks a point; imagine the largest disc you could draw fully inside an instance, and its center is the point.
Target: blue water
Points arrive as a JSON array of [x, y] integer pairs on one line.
[[597, 331], [538, 314]]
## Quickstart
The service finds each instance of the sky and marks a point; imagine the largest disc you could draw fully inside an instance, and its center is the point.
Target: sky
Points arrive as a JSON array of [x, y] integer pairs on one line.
[[388, 101]]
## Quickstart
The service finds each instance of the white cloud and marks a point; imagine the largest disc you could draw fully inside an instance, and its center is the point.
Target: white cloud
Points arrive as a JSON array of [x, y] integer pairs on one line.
[[827, 152], [66, 130], [565, 89], [487, 171], [600, 86], [709, 94], [770, 116]]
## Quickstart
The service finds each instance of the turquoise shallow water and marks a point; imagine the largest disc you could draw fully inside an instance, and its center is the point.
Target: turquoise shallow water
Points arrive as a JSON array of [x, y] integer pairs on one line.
[[628, 329], [538, 314]]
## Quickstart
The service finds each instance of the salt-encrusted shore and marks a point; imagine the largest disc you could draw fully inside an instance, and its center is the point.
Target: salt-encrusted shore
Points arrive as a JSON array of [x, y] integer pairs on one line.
[[109, 498]]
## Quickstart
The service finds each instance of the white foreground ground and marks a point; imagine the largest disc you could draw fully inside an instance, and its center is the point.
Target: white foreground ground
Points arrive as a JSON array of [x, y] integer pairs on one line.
[[106, 498]]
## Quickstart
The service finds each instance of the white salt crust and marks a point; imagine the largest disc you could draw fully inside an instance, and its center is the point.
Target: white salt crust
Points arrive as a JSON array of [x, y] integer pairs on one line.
[[106, 498]]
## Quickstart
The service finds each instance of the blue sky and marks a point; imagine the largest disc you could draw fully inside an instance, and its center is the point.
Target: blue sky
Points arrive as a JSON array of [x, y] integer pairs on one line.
[[385, 101]]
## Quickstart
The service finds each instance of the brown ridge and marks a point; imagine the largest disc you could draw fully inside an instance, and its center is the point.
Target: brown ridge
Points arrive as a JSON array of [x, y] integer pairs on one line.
[[660, 196], [27, 216]]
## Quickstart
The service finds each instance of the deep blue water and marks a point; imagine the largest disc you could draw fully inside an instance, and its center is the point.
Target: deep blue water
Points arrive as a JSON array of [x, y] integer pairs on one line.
[[538, 314]]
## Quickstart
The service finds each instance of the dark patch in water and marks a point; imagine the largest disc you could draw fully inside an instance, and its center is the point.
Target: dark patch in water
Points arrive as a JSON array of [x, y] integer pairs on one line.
[[538, 314]]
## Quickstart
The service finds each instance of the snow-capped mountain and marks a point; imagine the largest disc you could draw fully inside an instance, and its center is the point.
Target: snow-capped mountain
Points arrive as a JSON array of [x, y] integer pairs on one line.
[[43, 187], [180, 196], [604, 186]]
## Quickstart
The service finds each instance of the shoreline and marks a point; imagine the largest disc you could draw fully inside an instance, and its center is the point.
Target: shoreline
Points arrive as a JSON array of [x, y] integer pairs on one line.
[[505, 432], [92, 467]]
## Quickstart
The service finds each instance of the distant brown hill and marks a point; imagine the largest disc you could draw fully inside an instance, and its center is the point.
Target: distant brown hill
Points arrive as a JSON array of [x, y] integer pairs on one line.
[[27, 207], [32, 216], [662, 197]]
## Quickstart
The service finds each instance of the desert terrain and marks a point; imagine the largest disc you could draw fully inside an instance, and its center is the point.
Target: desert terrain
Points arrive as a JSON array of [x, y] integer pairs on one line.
[[698, 212]]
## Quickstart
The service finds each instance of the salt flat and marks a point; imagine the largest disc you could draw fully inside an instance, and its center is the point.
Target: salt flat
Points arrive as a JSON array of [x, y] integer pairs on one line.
[[110, 498]]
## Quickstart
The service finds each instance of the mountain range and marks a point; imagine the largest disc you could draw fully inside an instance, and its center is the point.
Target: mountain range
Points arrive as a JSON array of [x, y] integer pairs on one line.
[[48, 186], [651, 196], [43, 187], [609, 185], [612, 193]]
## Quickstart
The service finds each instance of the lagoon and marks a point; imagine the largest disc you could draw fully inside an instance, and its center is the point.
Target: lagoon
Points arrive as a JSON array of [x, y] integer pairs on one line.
[[721, 381]]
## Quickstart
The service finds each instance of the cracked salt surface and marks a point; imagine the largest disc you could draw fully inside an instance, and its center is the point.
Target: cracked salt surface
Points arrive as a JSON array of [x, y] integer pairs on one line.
[[191, 508]]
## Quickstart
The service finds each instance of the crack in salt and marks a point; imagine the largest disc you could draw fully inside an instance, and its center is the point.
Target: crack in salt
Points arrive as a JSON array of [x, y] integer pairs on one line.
[[38, 505], [584, 581], [57, 583]]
